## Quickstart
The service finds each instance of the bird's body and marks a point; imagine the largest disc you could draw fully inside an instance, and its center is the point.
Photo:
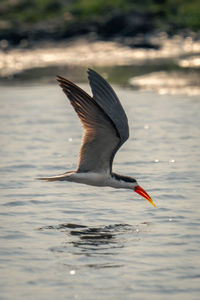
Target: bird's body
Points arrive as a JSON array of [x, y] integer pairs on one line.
[[96, 179], [106, 129]]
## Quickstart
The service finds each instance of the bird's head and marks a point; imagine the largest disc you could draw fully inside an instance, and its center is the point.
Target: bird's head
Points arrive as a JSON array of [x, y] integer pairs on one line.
[[131, 183]]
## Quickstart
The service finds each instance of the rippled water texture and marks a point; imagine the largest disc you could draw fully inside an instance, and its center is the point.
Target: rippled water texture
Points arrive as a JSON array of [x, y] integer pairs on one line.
[[68, 241]]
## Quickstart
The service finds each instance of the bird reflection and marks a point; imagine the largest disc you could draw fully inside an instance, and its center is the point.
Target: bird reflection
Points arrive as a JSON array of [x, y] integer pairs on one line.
[[96, 236], [99, 246]]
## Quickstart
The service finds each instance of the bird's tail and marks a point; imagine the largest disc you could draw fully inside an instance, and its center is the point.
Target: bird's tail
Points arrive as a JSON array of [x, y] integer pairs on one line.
[[61, 177]]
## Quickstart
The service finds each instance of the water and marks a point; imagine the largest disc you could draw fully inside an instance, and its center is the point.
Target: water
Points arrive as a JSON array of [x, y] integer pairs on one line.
[[62, 240]]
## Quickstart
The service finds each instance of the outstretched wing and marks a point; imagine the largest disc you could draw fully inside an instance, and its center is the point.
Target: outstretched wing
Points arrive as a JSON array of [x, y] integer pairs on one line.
[[106, 98], [101, 138]]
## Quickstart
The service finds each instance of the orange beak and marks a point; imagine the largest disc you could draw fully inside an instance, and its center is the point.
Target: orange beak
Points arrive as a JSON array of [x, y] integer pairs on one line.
[[144, 194]]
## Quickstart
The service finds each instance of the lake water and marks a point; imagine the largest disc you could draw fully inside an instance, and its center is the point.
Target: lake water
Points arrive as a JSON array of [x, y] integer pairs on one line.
[[69, 241]]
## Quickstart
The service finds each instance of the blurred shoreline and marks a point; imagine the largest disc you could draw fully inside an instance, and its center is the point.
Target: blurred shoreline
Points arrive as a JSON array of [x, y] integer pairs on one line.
[[177, 54], [81, 52]]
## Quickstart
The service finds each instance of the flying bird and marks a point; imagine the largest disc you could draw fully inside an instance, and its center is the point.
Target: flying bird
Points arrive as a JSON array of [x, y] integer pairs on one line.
[[105, 130]]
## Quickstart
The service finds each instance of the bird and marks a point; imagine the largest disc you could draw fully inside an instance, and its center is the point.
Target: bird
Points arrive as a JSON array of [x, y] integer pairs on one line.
[[106, 129]]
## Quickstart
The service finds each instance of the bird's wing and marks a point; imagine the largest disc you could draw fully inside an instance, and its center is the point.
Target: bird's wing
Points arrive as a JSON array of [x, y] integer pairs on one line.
[[101, 137], [105, 97]]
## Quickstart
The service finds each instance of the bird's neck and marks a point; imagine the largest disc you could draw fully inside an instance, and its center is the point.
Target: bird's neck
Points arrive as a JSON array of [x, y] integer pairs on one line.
[[121, 181]]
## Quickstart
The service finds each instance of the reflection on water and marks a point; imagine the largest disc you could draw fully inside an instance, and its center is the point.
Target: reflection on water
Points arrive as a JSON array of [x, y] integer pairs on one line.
[[94, 242], [190, 62], [173, 82], [164, 78]]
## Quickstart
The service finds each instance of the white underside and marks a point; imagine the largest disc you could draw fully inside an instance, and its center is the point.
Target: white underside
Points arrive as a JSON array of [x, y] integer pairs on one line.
[[98, 179]]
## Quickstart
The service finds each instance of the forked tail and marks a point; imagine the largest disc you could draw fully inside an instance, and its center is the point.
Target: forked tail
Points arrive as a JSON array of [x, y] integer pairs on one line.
[[61, 177]]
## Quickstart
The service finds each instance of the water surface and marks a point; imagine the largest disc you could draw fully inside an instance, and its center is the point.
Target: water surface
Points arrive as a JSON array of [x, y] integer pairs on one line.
[[68, 241]]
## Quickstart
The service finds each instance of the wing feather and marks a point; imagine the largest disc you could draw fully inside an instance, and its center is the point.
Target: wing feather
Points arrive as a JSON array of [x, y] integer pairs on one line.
[[106, 98], [101, 138]]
